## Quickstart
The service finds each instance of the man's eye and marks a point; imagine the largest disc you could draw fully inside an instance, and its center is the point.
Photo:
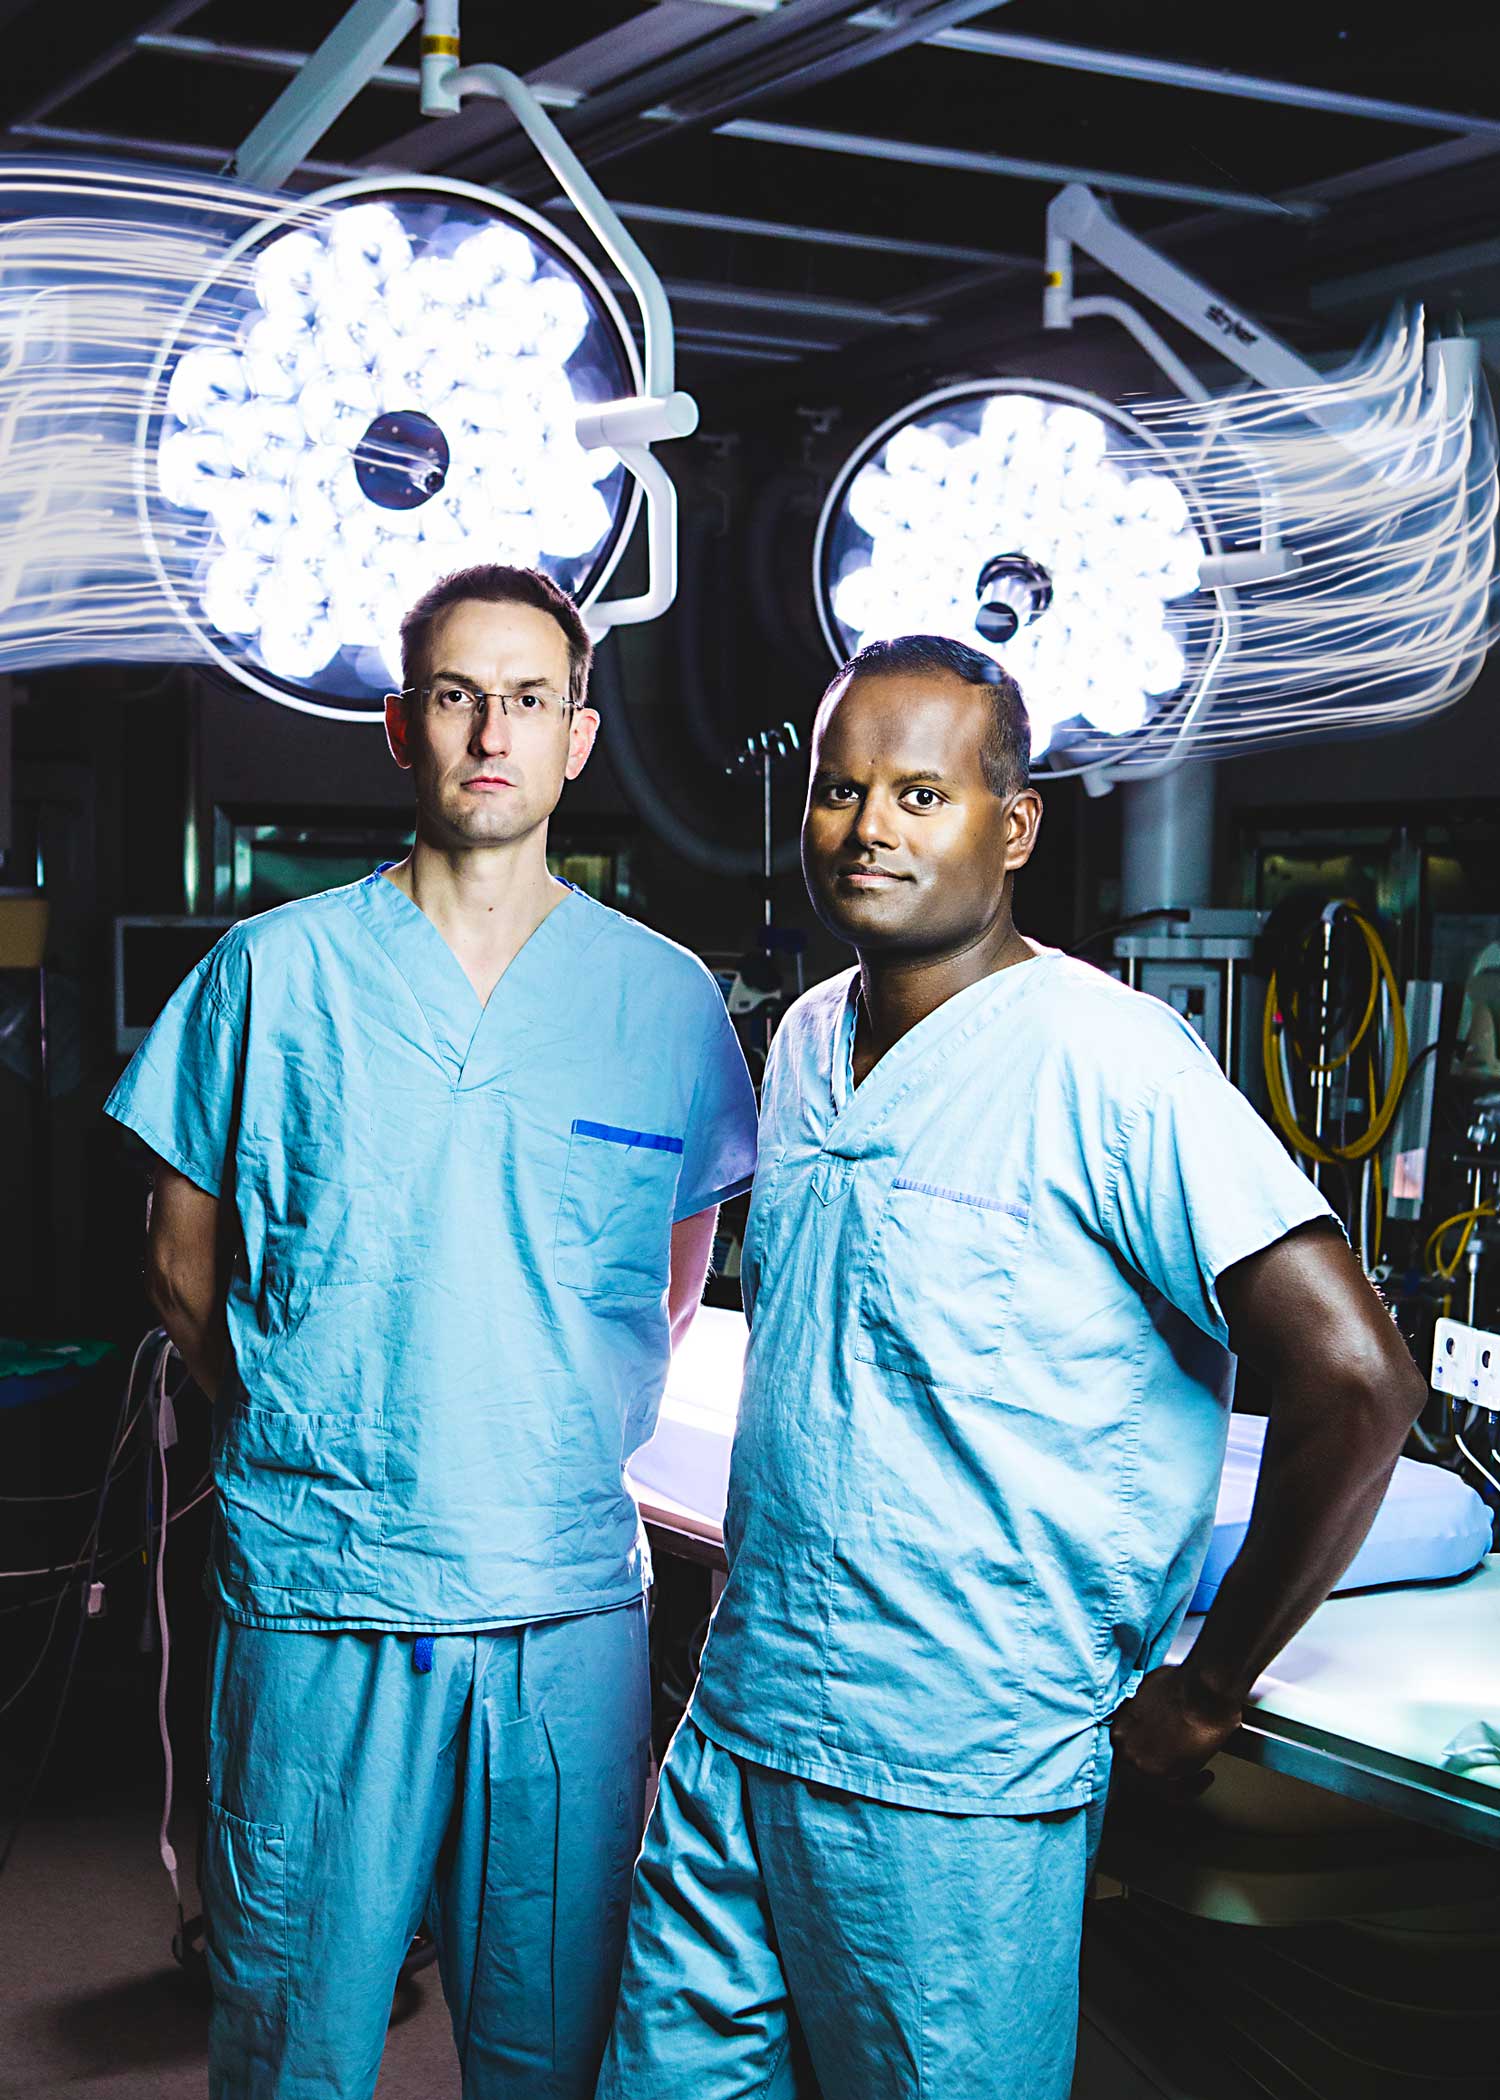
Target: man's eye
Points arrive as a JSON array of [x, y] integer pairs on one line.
[[932, 797], [452, 696], [840, 792], [529, 703]]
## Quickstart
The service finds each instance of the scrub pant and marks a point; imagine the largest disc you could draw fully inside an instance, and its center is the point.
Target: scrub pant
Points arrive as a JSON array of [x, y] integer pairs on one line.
[[789, 1939], [500, 1794]]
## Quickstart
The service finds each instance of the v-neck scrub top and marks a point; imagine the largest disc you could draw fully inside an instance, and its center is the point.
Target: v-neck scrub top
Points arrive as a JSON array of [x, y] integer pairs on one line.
[[448, 1320], [987, 1388]]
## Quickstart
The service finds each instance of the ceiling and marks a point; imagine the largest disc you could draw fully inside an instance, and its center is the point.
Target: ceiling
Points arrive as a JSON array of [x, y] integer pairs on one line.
[[812, 178]]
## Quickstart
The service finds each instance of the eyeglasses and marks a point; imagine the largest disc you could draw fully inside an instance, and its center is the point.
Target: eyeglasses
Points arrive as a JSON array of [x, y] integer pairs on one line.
[[461, 703]]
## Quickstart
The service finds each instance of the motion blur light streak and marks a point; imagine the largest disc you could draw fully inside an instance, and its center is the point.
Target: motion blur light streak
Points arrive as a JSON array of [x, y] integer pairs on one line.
[[258, 428], [1224, 571], [972, 472]]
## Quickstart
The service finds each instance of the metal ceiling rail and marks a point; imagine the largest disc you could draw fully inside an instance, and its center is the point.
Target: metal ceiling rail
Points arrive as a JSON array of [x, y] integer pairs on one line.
[[801, 44], [1207, 80], [103, 63], [911, 154], [807, 236], [168, 150], [856, 313], [270, 58]]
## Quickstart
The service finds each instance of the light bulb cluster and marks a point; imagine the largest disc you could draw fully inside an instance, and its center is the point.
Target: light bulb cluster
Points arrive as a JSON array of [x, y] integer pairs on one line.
[[1011, 472], [356, 318]]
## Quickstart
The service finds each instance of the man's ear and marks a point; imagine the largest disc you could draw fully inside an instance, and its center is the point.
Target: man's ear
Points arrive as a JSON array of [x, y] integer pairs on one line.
[[398, 730], [1022, 826], [583, 728]]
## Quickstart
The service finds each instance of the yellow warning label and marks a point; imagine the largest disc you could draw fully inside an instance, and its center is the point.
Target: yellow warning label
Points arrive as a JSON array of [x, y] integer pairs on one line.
[[440, 47], [1053, 280]]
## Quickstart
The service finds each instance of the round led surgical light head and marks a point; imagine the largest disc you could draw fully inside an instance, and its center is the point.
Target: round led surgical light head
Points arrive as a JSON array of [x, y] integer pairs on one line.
[[378, 387], [1031, 521]]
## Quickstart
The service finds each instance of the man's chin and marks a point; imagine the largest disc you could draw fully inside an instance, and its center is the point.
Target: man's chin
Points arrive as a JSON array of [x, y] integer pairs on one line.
[[884, 919]]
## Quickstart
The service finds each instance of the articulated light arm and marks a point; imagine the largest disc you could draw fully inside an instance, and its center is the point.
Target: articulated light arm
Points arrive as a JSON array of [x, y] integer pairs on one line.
[[1076, 218], [631, 427]]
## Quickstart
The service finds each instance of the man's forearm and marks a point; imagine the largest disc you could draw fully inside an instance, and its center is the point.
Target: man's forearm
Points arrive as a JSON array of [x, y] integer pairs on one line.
[[199, 1334], [1327, 1462]]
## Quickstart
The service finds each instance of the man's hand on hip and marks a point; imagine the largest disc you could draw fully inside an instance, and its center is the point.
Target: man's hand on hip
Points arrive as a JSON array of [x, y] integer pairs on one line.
[[1166, 1734]]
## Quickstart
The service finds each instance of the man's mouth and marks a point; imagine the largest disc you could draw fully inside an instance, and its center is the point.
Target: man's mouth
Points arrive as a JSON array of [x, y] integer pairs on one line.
[[485, 783], [861, 875]]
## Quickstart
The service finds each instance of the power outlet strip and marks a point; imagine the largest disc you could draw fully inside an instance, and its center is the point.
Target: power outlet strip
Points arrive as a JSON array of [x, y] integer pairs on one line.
[[1466, 1364]]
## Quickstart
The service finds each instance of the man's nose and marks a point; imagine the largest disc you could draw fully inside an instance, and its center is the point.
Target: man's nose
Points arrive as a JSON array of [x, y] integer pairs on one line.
[[874, 822], [492, 730]]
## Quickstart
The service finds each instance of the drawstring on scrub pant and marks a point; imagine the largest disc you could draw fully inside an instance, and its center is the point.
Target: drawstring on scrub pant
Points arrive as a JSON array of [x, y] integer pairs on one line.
[[421, 1654]]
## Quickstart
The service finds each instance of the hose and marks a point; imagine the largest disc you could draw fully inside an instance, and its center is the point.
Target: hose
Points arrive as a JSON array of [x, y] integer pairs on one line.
[[1433, 1259], [1279, 1046]]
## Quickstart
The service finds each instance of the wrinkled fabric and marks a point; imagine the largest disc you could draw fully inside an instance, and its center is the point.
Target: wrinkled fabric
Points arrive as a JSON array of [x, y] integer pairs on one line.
[[793, 1942], [987, 1387], [448, 1322], [501, 1794]]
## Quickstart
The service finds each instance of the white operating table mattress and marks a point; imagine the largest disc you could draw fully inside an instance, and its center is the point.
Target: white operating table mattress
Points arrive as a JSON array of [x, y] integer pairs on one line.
[[1430, 1526]]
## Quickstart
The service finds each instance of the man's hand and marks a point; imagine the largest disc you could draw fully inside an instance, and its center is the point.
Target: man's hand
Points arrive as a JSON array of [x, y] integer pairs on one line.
[[188, 1257], [1166, 1734]]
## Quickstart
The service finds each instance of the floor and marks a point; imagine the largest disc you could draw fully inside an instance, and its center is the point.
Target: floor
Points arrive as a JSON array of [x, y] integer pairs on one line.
[[93, 2005], [91, 2001]]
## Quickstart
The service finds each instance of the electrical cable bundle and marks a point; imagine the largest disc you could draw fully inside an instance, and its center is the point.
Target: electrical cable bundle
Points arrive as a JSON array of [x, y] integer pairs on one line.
[[87, 1565], [1333, 1016]]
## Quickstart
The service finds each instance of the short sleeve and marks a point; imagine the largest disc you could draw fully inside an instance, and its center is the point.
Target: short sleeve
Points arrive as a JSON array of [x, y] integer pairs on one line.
[[719, 1148], [180, 1092], [1200, 1183]]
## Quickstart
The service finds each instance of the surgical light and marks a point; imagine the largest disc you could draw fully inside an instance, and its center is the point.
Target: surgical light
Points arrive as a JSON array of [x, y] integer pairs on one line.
[[1031, 521], [379, 386]]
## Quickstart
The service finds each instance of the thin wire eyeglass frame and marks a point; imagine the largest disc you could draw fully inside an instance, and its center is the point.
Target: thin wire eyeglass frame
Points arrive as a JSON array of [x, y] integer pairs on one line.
[[477, 698]]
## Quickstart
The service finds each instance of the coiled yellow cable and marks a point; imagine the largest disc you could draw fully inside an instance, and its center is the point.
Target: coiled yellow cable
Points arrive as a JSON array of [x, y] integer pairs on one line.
[[1303, 1141], [1433, 1259]]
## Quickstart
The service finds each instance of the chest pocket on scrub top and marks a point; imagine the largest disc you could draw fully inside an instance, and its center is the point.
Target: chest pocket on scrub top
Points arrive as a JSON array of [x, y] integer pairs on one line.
[[614, 1223], [938, 1285]]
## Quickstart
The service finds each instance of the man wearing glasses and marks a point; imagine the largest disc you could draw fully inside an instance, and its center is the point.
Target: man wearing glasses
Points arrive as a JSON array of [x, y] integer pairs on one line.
[[438, 1157]]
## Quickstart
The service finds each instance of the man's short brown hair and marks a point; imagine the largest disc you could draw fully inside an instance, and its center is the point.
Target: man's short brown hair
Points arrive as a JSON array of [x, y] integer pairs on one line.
[[495, 583]]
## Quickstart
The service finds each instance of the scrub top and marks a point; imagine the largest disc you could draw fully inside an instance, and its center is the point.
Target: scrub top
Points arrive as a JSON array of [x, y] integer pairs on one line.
[[987, 1389], [448, 1315]]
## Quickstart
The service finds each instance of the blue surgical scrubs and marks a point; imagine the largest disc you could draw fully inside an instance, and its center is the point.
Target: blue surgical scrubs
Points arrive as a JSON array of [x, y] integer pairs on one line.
[[984, 1412], [448, 1328]]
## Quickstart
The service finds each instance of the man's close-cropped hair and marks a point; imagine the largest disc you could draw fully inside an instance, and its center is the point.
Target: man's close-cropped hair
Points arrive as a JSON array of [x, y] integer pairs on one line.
[[495, 583], [1005, 755]]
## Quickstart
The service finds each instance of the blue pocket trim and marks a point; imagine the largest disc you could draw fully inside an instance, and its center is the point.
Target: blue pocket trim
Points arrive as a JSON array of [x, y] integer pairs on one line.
[[930, 1188], [647, 1140]]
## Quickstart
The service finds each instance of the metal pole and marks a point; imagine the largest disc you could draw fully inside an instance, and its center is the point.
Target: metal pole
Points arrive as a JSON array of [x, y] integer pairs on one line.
[[1322, 1076]]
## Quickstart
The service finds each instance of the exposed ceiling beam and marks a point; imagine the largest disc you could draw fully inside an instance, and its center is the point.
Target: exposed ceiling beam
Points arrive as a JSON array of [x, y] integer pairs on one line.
[[1411, 276], [105, 62], [273, 58], [855, 313], [1207, 80], [675, 42], [805, 236], [910, 153], [168, 150], [801, 44]]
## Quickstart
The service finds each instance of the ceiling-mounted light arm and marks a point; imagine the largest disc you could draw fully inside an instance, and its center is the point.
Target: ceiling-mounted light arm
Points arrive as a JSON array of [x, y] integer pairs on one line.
[[1076, 218], [630, 427], [323, 88]]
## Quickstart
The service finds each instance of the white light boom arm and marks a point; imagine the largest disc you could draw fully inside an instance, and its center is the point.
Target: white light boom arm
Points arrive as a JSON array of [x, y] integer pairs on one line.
[[631, 427], [1076, 218]]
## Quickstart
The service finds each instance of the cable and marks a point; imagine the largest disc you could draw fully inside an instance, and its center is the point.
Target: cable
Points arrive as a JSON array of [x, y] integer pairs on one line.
[[205, 1488], [1477, 1464], [1432, 1254], [1279, 1043], [165, 1428], [41, 1655], [159, 1336]]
